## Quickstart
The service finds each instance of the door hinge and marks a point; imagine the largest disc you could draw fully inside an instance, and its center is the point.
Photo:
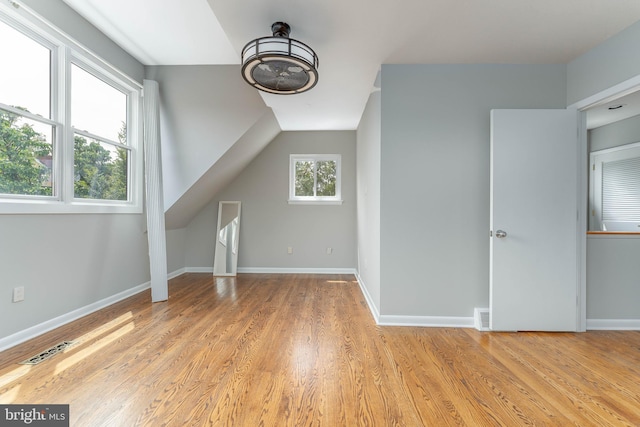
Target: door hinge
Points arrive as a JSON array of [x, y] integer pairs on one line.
[[593, 167]]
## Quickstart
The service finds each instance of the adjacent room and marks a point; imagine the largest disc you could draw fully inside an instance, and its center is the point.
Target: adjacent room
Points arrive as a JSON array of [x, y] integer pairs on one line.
[[287, 213]]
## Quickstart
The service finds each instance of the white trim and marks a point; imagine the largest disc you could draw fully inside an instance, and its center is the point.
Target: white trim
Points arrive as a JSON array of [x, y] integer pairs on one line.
[[621, 89], [613, 324], [198, 270], [45, 29], [282, 270], [616, 91], [426, 321], [422, 321], [56, 322], [64, 51], [367, 296], [156, 230], [315, 200], [268, 270], [597, 160], [176, 273], [582, 223]]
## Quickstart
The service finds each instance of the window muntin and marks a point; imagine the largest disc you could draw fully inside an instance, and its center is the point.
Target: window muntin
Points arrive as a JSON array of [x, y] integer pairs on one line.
[[96, 106], [112, 127], [615, 189], [314, 178], [99, 121], [100, 170]]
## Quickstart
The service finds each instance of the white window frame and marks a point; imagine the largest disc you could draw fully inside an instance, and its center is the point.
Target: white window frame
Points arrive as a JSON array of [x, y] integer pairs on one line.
[[315, 200], [596, 160], [65, 51]]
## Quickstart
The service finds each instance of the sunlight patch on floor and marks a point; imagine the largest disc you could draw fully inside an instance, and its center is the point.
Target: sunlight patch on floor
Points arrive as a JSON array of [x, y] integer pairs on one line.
[[102, 342], [10, 377], [94, 333], [9, 396]]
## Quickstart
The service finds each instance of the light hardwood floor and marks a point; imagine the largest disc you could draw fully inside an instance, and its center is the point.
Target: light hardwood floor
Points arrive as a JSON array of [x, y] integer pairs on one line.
[[304, 350]]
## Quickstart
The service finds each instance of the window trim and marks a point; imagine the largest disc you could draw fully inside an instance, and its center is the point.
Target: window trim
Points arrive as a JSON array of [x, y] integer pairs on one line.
[[596, 159], [64, 52], [314, 200]]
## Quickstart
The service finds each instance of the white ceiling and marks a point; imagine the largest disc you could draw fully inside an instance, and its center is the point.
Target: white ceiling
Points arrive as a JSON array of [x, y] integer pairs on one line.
[[353, 37]]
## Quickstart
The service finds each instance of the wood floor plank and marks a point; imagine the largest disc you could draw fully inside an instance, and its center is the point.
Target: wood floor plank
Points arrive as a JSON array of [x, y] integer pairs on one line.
[[304, 350]]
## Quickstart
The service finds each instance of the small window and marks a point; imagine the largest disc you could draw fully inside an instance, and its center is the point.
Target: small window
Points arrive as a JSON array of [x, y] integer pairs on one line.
[[615, 189], [314, 178]]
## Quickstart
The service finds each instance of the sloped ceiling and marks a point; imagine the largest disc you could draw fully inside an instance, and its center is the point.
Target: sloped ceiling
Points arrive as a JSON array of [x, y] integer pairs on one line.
[[352, 38]]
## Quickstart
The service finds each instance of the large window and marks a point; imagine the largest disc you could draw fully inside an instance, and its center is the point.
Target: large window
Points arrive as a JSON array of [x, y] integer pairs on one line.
[[27, 131], [314, 178], [101, 153], [69, 130], [615, 189]]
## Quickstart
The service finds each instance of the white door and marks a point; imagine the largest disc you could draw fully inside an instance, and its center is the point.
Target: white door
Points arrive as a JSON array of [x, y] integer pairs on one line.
[[534, 220]]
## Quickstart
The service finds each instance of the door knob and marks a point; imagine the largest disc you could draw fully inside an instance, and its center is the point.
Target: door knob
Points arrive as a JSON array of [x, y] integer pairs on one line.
[[500, 234]]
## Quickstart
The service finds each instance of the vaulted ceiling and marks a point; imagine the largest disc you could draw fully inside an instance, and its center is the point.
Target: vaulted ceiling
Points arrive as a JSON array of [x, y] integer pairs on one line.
[[352, 38]]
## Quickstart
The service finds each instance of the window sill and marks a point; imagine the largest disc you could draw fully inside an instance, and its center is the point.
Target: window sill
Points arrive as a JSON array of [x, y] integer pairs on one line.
[[315, 202], [46, 208], [612, 235]]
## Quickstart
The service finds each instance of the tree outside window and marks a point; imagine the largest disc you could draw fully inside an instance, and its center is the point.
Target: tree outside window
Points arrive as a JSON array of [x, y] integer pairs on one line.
[[314, 178]]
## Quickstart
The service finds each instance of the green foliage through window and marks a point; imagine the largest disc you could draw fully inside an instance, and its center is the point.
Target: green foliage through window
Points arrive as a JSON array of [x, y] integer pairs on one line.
[[25, 158], [100, 170], [326, 178], [26, 162], [69, 125], [314, 177], [304, 178]]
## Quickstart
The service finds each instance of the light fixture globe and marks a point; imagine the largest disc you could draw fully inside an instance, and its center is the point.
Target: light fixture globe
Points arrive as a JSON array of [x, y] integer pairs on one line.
[[279, 64]]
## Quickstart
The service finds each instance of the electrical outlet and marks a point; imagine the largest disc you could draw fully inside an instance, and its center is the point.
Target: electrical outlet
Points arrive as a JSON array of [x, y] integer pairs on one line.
[[290, 250], [329, 251], [18, 294]]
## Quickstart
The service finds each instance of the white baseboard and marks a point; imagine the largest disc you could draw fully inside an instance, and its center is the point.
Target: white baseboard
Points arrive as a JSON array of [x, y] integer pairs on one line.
[[176, 273], [56, 322], [383, 320], [198, 270], [367, 296], [613, 324], [426, 321], [277, 270]]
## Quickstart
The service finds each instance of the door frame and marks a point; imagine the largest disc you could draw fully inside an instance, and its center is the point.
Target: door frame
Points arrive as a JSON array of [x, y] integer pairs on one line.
[[604, 96]]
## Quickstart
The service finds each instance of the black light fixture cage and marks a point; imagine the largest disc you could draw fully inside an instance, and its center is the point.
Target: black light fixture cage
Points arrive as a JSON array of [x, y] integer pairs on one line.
[[279, 64]]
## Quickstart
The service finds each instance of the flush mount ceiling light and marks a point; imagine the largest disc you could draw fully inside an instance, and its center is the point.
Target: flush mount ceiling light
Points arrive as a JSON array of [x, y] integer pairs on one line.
[[279, 64]]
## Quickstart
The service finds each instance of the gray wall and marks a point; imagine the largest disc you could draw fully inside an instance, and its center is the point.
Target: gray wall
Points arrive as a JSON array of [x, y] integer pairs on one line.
[[200, 237], [368, 171], [176, 250], [613, 262], [70, 22], [435, 178], [604, 66], [66, 262], [268, 224], [612, 135], [204, 110], [613, 277]]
